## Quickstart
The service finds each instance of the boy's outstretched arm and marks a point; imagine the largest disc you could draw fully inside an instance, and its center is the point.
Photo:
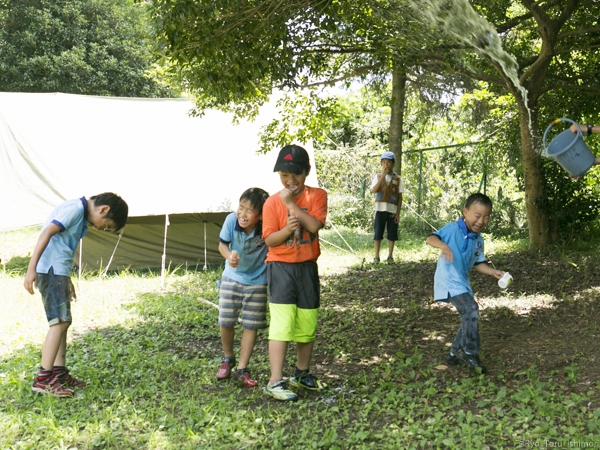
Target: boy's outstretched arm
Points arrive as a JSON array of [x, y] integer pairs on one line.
[[486, 269], [31, 276], [436, 242]]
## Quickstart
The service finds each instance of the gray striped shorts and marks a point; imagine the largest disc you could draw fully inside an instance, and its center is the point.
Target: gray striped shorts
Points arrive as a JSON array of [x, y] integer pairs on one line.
[[250, 300]]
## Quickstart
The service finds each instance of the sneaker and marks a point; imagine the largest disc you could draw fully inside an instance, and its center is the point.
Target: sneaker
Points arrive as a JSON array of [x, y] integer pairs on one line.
[[243, 376], [390, 260], [51, 387], [376, 260], [69, 381], [225, 368], [471, 361], [280, 391], [307, 381]]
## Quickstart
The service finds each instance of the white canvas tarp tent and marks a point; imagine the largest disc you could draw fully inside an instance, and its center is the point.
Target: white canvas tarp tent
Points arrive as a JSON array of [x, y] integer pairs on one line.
[[180, 175]]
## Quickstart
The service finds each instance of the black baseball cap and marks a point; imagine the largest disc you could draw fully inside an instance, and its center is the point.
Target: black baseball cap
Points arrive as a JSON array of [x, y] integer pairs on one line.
[[292, 158]]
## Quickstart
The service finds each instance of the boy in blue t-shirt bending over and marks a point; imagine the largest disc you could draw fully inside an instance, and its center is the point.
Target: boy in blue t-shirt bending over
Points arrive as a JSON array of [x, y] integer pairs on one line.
[[461, 248], [50, 270], [243, 284]]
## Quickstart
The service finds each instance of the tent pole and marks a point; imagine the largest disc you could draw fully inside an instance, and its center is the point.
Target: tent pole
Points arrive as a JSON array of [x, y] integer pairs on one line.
[[113, 253], [339, 234], [205, 257], [164, 255]]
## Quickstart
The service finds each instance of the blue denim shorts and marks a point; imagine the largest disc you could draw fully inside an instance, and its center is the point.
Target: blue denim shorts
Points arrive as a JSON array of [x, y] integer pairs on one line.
[[56, 296]]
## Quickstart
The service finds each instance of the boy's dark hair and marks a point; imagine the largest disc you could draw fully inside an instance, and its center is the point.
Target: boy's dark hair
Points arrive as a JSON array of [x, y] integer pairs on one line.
[[256, 197], [478, 198], [118, 208]]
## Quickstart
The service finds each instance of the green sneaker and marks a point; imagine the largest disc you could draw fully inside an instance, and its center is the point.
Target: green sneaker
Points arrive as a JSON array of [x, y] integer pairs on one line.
[[307, 380], [279, 391]]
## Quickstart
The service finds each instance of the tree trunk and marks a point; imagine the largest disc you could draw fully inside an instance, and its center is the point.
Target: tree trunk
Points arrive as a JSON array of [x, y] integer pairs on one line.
[[397, 113], [537, 219]]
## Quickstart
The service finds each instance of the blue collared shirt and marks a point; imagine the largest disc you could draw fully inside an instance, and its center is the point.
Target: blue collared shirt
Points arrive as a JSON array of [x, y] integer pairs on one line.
[[251, 249], [70, 216], [452, 278]]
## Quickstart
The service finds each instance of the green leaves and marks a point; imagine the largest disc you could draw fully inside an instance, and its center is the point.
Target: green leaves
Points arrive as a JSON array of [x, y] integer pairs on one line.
[[95, 47]]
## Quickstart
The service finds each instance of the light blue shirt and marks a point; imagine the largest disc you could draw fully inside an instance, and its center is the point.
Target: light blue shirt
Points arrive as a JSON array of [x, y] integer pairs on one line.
[[70, 216], [452, 278], [251, 249]]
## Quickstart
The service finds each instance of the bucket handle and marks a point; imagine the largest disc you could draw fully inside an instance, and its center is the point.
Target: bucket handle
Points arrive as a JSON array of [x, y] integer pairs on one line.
[[556, 122]]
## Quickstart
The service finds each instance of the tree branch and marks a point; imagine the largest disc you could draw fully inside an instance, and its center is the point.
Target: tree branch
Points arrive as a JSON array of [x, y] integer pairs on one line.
[[476, 76], [358, 71], [568, 84], [578, 32]]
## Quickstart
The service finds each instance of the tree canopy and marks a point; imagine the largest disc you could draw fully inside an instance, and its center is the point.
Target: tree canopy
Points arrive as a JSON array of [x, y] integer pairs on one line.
[[95, 47], [232, 54], [551, 48]]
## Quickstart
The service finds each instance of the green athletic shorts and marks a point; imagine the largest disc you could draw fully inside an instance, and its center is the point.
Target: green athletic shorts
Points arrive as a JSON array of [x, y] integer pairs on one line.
[[292, 324], [294, 299]]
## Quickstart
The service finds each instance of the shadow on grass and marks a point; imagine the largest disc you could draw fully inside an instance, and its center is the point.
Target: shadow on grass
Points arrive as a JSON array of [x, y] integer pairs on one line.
[[380, 344], [550, 315]]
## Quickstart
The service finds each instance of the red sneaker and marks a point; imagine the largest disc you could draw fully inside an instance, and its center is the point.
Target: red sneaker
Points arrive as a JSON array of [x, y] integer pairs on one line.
[[225, 368], [51, 387], [243, 376], [70, 381]]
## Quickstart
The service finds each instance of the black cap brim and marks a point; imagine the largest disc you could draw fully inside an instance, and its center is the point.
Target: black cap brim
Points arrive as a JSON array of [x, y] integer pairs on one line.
[[290, 167]]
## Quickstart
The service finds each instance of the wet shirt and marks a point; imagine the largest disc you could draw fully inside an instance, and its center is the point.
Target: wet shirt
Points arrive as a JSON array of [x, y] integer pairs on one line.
[[71, 217], [302, 245], [251, 249], [452, 278]]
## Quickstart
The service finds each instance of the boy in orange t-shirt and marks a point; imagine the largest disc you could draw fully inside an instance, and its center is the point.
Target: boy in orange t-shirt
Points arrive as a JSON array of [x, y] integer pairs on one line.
[[292, 219]]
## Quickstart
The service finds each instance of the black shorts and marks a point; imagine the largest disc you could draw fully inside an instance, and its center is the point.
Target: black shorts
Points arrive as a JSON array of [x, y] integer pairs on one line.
[[294, 284], [385, 219]]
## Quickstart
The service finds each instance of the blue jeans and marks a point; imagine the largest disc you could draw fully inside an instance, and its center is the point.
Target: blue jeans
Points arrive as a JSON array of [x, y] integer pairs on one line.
[[467, 337]]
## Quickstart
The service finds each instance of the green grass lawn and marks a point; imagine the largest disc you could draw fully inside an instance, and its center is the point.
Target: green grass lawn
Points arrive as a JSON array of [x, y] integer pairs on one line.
[[150, 355]]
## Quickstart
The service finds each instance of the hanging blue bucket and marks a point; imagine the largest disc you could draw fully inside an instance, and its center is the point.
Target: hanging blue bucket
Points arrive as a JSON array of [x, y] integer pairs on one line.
[[569, 150]]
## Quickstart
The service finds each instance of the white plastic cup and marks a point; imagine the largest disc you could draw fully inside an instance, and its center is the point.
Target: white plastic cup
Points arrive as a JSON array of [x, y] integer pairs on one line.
[[505, 280]]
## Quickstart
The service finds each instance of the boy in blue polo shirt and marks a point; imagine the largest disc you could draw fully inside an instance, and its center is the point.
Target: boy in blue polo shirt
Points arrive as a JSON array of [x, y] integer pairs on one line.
[[461, 248], [243, 284], [50, 270]]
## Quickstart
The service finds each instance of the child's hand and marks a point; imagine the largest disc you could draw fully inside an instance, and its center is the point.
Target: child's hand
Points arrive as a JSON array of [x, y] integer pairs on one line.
[[575, 128], [286, 196], [292, 224], [446, 253], [234, 259], [30, 281], [497, 274]]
